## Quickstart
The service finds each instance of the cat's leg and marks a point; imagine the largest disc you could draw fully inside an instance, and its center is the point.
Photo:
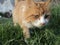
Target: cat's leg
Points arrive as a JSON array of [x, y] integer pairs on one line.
[[26, 32], [15, 19]]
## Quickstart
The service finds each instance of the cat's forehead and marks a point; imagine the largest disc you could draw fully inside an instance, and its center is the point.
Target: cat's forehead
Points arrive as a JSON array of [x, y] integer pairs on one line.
[[37, 10], [39, 6]]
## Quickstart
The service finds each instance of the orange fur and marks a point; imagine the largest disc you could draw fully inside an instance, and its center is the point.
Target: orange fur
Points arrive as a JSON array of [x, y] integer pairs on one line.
[[26, 11]]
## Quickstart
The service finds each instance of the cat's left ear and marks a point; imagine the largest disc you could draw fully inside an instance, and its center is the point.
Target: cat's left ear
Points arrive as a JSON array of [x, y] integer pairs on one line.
[[43, 4]]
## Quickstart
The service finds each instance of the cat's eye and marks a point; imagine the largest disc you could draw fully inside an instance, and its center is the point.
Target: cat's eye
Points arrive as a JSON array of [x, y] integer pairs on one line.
[[36, 16], [46, 16]]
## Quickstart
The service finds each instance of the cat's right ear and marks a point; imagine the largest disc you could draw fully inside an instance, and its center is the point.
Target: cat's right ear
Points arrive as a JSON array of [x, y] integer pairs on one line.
[[44, 4], [47, 3]]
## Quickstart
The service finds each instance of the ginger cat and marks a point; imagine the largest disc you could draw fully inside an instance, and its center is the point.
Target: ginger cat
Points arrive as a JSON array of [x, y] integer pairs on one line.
[[28, 14]]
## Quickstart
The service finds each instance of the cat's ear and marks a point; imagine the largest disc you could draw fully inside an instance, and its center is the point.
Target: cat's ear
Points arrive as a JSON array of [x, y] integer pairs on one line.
[[47, 3], [43, 4]]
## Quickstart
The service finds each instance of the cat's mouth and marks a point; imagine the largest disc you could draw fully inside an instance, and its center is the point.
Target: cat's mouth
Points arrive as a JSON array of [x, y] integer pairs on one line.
[[40, 25]]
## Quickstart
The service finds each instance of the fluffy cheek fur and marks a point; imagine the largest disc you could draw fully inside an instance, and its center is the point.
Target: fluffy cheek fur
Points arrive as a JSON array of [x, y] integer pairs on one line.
[[40, 22], [37, 22]]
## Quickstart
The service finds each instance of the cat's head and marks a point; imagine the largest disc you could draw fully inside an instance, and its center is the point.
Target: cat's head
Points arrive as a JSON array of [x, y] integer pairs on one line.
[[38, 13]]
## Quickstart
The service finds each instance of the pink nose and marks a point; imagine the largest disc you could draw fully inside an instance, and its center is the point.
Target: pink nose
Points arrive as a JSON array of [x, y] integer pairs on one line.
[[42, 23]]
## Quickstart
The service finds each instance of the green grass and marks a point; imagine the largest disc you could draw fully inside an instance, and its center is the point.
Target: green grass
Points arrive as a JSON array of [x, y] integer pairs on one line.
[[49, 35]]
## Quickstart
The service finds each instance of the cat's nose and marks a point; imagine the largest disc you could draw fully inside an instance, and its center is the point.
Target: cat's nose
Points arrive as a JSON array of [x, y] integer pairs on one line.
[[42, 23]]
